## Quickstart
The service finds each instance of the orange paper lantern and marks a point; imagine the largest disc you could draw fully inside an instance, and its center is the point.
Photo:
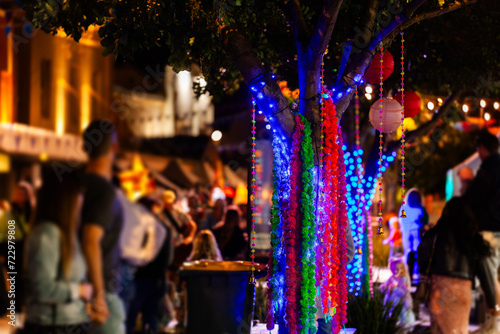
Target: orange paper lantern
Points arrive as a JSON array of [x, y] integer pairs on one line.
[[372, 74]]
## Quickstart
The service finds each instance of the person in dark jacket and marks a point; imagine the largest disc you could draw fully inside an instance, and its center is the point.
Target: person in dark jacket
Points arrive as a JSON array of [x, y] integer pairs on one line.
[[453, 253], [483, 195]]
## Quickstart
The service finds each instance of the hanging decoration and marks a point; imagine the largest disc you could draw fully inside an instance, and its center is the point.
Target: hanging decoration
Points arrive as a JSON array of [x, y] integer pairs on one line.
[[309, 251], [277, 261], [340, 316], [372, 73], [252, 196], [390, 119], [411, 103], [328, 260], [381, 139], [308, 256], [403, 213], [333, 252]]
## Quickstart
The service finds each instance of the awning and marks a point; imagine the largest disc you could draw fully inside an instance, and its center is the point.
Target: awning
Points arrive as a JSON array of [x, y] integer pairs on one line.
[[44, 144]]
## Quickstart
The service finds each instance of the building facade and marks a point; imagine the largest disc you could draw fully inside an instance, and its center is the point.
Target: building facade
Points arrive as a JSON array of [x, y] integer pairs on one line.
[[50, 89]]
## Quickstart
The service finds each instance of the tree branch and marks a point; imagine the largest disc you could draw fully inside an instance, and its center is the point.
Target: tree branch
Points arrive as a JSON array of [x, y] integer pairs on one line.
[[300, 30], [395, 23], [371, 15], [266, 91], [324, 27], [428, 126], [426, 16]]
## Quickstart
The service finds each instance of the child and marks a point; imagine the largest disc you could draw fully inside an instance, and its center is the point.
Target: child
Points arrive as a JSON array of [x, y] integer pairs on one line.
[[397, 290], [394, 238]]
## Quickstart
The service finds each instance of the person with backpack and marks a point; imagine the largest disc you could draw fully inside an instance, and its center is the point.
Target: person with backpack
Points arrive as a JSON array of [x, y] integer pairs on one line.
[[150, 279]]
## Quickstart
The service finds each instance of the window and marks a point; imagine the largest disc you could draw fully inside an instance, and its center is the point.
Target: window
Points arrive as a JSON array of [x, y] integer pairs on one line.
[[73, 101], [45, 88]]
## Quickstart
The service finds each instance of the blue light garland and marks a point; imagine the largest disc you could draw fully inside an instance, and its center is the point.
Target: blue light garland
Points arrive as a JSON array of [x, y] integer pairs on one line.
[[360, 193]]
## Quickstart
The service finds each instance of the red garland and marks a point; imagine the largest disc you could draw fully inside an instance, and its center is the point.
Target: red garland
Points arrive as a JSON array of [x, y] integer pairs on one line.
[[340, 317], [329, 251], [292, 233]]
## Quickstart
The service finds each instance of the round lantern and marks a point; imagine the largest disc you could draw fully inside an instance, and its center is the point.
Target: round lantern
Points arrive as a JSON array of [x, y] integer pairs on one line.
[[412, 103], [391, 115], [372, 74]]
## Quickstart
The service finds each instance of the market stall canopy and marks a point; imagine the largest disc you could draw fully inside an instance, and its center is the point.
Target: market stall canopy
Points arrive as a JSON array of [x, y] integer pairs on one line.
[[232, 179], [181, 174]]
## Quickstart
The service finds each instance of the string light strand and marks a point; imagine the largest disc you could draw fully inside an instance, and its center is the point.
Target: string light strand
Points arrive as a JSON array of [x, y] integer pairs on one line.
[[403, 192], [381, 141], [252, 196]]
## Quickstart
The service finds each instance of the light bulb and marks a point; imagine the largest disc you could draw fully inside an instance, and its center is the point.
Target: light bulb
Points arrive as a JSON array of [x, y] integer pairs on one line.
[[430, 105], [465, 108], [487, 116], [368, 96], [216, 135], [368, 89]]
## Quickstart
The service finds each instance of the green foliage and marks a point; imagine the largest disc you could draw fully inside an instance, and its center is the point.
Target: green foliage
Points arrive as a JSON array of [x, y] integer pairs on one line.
[[369, 315], [185, 32]]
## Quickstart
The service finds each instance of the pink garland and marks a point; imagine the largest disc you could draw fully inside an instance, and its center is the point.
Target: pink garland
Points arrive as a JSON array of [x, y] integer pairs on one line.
[[292, 233], [340, 317]]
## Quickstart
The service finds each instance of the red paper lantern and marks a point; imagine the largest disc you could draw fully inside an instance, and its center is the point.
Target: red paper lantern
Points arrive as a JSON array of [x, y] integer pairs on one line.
[[372, 74], [412, 103]]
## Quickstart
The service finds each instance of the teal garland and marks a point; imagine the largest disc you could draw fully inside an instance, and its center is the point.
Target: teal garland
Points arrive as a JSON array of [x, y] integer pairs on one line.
[[308, 286]]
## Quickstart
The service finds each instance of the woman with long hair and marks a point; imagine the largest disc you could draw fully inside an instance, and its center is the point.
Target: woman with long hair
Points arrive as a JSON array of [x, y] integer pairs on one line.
[[205, 247], [453, 253], [230, 236], [55, 268]]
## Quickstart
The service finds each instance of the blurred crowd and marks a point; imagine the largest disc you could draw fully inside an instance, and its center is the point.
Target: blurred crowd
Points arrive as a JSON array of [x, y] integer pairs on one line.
[[91, 260], [446, 259]]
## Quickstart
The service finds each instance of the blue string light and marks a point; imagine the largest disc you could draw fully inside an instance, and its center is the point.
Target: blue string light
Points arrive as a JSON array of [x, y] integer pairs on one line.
[[360, 192]]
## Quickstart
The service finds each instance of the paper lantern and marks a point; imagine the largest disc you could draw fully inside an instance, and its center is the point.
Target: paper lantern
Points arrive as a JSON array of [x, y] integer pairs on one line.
[[372, 74], [412, 103], [391, 115]]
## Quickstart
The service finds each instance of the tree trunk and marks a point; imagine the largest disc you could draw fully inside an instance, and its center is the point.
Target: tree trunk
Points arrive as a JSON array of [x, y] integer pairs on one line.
[[309, 66], [266, 92]]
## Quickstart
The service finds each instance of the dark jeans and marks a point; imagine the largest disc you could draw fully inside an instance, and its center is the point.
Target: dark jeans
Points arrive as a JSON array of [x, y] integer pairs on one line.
[[147, 300], [127, 288], [324, 327], [63, 329], [412, 263]]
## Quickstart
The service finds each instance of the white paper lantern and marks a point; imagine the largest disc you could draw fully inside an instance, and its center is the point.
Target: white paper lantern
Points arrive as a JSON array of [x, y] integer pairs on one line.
[[391, 115]]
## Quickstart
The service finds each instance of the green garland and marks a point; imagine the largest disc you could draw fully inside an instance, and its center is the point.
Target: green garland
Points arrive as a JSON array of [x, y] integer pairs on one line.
[[308, 286]]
